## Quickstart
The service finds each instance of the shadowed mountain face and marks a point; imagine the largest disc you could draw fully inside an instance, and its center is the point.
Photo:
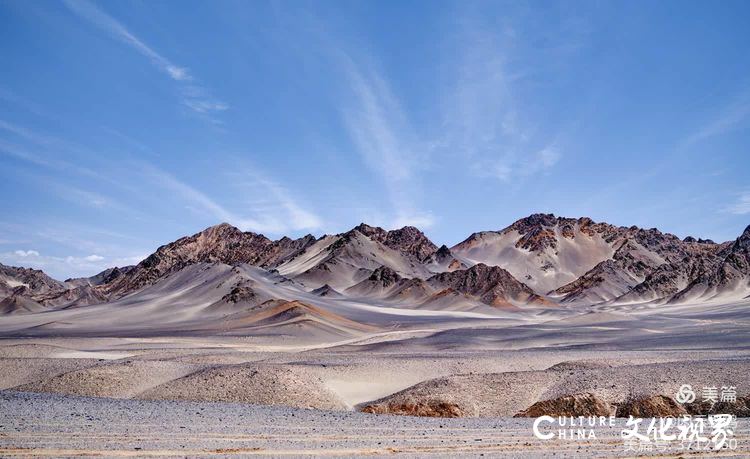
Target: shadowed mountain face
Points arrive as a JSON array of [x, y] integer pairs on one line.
[[727, 271], [218, 244], [538, 260], [408, 240], [33, 281], [492, 285]]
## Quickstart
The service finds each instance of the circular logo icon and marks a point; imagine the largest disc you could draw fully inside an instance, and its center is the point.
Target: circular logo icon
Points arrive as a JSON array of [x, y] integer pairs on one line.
[[685, 394]]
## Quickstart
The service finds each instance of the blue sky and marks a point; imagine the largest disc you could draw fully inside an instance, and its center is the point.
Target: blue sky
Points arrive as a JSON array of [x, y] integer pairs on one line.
[[125, 125]]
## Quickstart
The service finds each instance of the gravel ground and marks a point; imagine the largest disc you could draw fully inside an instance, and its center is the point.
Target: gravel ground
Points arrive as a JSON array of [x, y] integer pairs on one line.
[[50, 425]]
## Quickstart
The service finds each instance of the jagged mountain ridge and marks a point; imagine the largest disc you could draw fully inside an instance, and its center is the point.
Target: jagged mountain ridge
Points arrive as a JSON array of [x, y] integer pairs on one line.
[[34, 281], [222, 243], [540, 259]]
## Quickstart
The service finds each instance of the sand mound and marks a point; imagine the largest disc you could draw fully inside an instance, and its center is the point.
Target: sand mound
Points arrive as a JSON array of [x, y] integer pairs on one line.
[[30, 350], [569, 405], [263, 385], [115, 380], [650, 407], [17, 371], [499, 394], [630, 387]]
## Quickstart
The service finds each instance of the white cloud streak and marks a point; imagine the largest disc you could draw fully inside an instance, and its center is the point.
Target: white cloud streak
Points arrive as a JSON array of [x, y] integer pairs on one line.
[[193, 96], [99, 18], [514, 167], [728, 119], [283, 215], [741, 206], [383, 136], [483, 123]]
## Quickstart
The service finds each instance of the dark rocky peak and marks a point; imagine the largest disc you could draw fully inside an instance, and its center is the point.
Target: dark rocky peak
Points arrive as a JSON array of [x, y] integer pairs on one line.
[[655, 240], [242, 291], [221, 243], [741, 246], [533, 221], [110, 274], [344, 240], [225, 230], [36, 279], [538, 230], [492, 284], [691, 239], [283, 250], [385, 276], [443, 252], [408, 240], [444, 260], [746, 234], [537, 238], [411, 241], [373, 232], [478, 276]]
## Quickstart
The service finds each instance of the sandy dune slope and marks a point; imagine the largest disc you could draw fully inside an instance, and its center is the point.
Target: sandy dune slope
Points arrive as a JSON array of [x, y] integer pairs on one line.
[[257, 384], [120, 379], [505, 394]]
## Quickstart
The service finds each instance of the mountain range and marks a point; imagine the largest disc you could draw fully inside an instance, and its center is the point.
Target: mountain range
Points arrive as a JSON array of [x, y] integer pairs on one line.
[[539, 261]]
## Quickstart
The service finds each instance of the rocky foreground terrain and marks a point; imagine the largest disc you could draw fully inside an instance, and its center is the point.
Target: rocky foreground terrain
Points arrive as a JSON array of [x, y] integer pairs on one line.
[[125, 428]]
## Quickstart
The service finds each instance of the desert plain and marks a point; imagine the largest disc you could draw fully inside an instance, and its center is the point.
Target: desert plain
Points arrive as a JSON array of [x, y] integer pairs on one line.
[[221, 395]]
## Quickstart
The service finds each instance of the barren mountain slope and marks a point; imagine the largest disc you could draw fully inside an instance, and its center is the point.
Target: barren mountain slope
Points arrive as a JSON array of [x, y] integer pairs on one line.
[[32, 281], [491, 285], [442, 260], [730, 276], [575, 261], [346, 259], [543, 251], [221, 243], [648, 265]]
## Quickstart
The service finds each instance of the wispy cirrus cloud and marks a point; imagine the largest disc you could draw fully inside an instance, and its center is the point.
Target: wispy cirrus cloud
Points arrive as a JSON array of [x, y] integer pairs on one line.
[[93, 14], [283, 213], [193, 95], [46, 161], [285, 206], [741, 206], [386, 141], [728, 118], [483, 122], [87, 198], [514, 167]]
